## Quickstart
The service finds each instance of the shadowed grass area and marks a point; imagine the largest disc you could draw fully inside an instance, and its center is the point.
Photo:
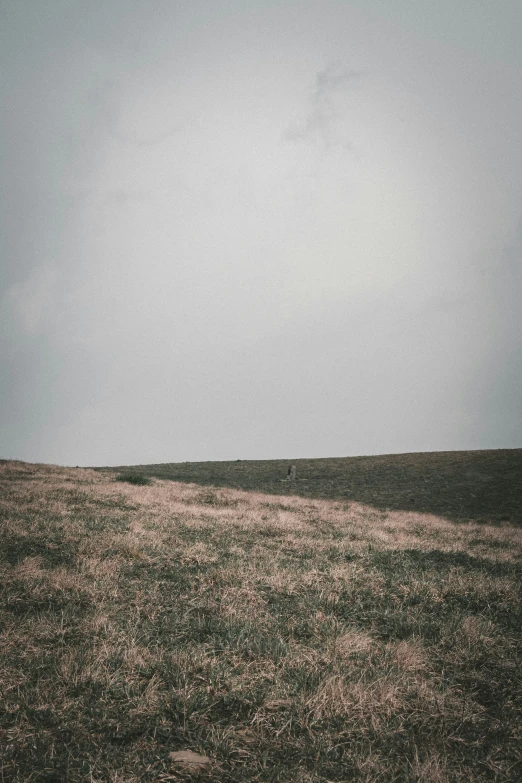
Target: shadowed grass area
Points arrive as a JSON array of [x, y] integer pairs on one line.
[[134, 478], [278, 638], [483, 486]]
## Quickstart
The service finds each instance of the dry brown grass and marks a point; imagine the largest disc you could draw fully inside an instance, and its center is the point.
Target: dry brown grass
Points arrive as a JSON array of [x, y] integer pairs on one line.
[[290, 639]]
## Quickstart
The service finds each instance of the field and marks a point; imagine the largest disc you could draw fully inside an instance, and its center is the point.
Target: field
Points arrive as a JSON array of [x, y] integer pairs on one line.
[[363, 623], [483, 486]]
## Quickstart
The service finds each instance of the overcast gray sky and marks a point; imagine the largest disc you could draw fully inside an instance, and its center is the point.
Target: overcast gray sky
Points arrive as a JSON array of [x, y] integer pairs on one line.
[[259, 229]]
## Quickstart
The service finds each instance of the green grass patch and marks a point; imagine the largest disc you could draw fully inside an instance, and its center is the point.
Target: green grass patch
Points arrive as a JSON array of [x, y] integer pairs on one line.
[[134, 478]]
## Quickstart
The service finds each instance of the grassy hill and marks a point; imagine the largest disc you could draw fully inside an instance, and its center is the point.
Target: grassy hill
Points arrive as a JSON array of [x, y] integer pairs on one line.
[[327, 630], [484, 486]]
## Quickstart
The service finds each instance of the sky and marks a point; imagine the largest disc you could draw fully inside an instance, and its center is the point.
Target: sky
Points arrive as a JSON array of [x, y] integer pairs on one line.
[[254, 229]]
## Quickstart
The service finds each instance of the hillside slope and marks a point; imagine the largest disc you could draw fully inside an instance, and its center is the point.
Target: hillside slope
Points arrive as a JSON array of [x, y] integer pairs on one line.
[[281, 640], [483, 486]]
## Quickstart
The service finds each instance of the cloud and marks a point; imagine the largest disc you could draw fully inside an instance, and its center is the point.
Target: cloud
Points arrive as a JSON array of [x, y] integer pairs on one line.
[[324, 124], [336, 76], [33, 300], [511, 260], [152, 140]]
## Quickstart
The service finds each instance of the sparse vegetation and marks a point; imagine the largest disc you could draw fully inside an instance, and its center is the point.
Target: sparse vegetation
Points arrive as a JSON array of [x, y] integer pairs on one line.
[[267, 638]]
